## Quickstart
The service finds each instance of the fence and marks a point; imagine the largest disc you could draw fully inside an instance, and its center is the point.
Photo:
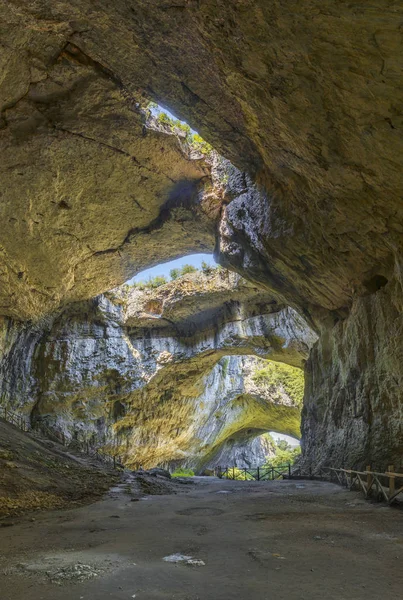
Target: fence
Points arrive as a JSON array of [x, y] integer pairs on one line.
[[386, 486], [41, 430], [265, 473], [15, 419]]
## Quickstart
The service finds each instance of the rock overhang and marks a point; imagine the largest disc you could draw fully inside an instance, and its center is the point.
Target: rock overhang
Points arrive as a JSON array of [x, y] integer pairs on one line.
[[97, 371], [306, 100], [319, 127]]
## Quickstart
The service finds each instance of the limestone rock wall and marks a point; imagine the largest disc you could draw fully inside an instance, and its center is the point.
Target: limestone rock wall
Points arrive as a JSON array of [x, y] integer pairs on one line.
[[139, 374], [230, 406], [304, 97], [353, 402], [19, 344], [249, 449]]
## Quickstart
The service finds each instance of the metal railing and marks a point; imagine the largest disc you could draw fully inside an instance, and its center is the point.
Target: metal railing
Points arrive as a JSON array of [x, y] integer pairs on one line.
[[41, 430], [264, 473]]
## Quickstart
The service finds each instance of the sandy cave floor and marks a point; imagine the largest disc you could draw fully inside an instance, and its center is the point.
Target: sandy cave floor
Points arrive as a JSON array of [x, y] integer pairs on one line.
[[258, 540]]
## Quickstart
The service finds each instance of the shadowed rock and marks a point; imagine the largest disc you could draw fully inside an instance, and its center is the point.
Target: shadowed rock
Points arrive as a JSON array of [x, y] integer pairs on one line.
[[100, 369]]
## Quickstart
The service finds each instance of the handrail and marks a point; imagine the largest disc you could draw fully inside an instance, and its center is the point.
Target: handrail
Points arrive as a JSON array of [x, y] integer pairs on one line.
[[41, 429], [261, 473], [385, 474], [367, 481]]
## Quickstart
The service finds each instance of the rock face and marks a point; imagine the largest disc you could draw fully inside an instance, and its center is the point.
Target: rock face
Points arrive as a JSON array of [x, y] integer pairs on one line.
[[138, 371], [246, 450], [352, 414], [307, 96], [304, 98]]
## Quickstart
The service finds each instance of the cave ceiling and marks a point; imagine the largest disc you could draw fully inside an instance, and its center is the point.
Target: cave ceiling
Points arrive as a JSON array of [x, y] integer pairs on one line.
[[304, 97]]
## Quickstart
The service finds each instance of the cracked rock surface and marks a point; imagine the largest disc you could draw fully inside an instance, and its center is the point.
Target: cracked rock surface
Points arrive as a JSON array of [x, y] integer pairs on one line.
[[173, 392], [305, 99]]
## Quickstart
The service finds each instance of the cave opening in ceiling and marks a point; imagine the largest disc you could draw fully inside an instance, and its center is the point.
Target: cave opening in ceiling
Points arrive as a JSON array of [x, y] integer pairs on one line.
[[163, 119], [173, 269], [302, 101]]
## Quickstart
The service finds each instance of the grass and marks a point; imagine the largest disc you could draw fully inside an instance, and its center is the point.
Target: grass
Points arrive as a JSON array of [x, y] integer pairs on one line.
[[183, 473]]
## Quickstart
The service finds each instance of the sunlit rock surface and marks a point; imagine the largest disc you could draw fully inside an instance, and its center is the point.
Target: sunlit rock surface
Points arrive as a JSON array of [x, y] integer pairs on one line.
[[244, 450], [149, 373], [303, 97], [306, 95]]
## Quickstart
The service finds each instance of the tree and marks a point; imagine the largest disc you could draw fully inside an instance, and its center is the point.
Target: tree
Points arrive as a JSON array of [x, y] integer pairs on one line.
[[283, 445], [188, 269], [174, 273], [206, 268], [284, 457], [155, 282]]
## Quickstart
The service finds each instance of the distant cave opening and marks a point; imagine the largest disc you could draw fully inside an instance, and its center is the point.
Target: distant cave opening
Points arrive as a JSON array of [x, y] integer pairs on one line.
[[251, 415], [252, 448]]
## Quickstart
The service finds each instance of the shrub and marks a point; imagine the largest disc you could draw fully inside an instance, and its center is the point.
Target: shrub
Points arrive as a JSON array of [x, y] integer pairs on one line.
[[275, 375], [164, 119], [155, 282], [175, 273], [193, 139], [238, 475], [188, 269], [206, 268], [284, 455], [181, 472], [198, 143]]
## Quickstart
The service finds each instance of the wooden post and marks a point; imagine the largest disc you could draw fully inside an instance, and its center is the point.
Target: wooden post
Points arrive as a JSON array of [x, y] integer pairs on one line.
[[258, 474], [369, 480], [289, 470], [391, 469], [233, 473]]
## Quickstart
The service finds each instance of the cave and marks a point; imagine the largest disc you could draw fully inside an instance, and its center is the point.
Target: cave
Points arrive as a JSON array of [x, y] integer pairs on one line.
[[265, 134]]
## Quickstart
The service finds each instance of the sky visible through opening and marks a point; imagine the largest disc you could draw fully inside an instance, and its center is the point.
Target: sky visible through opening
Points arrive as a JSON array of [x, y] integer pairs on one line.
[[157, 110], [282, 436], [163, 269]]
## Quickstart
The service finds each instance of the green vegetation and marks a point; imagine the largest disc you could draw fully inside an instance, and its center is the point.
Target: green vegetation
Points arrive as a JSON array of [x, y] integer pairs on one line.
[[225, 363], [179, 272], [195, 141], [238, 474], [154, 282], [150, 284], [275, 375], [198, 143], [186, 269], [174, 274], [285, 454], [209, 269], [181, 472]]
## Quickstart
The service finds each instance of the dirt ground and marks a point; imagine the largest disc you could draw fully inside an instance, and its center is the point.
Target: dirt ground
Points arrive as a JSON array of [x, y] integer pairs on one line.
[[238, 540], [40, 474]]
